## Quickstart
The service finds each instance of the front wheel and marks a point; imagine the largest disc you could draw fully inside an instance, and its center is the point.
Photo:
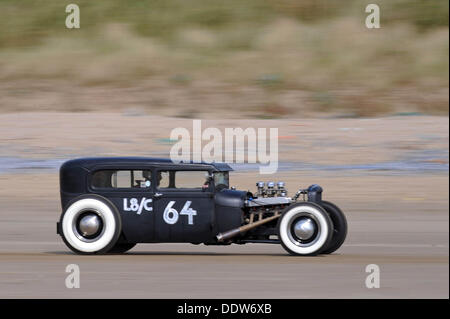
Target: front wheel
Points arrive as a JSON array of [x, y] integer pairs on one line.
[[305, 229]]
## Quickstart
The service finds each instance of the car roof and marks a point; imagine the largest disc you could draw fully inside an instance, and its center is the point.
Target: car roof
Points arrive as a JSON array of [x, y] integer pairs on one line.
[[91, 162]]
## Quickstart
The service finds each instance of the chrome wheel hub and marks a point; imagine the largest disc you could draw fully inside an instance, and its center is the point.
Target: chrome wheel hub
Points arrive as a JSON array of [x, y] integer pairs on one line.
[[304, 228], [89, 225]]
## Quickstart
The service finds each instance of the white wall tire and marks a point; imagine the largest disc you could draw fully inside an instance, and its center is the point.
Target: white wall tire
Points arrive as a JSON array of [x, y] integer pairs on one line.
[[316, 237], [106, 236]]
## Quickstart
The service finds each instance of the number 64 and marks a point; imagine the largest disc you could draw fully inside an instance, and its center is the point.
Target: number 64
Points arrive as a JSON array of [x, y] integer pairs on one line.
[[171, 214]]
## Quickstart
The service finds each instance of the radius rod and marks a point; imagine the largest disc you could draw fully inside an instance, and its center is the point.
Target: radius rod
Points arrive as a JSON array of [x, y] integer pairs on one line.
[[239, 230]]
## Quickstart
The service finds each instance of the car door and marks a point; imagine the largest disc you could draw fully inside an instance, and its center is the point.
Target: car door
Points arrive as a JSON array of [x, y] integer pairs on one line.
[[131, 191], [183, 206]]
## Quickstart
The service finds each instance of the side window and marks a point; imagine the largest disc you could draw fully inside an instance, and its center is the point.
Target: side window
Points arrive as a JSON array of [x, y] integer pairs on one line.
[[141, 179], [183, 179], [163, 179], [191, 179], [121, 179]]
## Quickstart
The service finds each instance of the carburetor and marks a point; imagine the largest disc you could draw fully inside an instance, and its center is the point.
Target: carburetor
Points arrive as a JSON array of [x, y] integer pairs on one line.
[[261, 189], [270, 190], [281, 189]]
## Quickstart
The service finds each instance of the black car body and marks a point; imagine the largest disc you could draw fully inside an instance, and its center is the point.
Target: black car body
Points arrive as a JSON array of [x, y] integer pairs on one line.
[[131, 200]]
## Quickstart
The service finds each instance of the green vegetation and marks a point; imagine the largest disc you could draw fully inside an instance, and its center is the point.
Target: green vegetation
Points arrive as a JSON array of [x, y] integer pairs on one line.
[[309, 55]]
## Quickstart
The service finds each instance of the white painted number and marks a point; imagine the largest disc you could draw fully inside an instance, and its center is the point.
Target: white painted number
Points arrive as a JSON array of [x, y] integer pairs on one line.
[[189, 211], [171, 215]]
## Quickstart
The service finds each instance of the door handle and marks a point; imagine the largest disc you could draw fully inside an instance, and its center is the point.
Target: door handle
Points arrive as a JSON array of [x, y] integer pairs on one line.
[[157, 195]]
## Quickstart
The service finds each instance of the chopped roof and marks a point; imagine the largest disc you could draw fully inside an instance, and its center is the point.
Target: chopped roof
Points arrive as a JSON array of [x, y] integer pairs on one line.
[[89, 162]]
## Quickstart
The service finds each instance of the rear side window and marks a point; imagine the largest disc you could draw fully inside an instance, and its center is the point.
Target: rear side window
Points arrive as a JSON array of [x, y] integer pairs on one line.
[[183, 179], [122, 179]]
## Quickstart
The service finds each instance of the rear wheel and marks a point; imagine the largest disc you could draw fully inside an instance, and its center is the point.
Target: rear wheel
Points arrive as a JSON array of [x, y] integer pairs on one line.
[[305, 229], [90, 225], [339, 227]]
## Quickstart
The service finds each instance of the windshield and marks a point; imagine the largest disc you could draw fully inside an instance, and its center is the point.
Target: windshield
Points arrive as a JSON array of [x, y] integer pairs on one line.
[[221, 180]]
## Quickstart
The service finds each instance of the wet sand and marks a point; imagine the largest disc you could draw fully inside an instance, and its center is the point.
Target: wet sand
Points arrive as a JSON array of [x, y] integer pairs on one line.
[[398, 220]]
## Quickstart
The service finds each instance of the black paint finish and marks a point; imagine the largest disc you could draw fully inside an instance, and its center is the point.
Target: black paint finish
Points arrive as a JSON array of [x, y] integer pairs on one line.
[[211, 211]]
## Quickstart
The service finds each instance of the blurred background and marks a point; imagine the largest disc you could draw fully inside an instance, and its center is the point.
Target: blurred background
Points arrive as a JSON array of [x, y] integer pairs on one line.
[[362, 112], [198, 58]]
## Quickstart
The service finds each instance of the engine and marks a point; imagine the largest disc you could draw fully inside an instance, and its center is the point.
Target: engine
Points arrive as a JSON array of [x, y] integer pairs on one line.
[[268, 194], [270, 190], [257, 213]]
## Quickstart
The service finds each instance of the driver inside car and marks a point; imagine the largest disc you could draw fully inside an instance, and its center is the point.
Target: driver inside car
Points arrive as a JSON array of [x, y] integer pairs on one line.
[[145, 182], [205, 185]]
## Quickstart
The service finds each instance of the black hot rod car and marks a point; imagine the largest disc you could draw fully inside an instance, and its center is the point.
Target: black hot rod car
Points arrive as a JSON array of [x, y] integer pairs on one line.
[[111, 204]]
